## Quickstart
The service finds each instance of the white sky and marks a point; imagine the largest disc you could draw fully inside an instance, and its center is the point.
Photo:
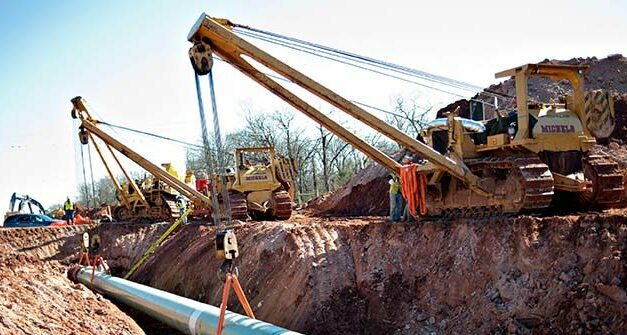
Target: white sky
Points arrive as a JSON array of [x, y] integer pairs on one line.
[[129, 61]]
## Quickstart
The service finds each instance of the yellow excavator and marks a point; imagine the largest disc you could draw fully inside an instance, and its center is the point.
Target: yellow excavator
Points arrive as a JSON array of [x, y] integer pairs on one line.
[[262, 187], [511, 164]]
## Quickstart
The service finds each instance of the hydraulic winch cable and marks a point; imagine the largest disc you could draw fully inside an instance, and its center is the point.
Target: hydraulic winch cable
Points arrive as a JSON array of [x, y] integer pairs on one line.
[[368, 69], [142, 132], [91, 172], [345, 57], [217, 134], [85, 187], [215, 212], [253, 32]]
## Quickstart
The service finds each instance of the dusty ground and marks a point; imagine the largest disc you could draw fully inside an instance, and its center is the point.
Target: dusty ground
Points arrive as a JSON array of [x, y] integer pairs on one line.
[[36, 297]]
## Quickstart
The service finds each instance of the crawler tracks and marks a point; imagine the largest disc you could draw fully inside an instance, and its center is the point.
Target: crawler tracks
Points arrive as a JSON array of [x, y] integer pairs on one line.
[[607, 180], [281, 205], [522, 184], [239, 207]]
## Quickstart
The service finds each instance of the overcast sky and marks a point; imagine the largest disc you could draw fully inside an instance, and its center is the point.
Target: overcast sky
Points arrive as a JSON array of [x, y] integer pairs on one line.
[[128, 59]]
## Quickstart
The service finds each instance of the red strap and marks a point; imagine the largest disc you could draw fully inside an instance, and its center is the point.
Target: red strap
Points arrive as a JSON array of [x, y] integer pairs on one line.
[[413, 189]]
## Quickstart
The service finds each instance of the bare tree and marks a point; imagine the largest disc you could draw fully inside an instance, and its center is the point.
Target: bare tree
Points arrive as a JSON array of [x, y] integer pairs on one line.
[[105, 193], [408, 116], [260, 127]]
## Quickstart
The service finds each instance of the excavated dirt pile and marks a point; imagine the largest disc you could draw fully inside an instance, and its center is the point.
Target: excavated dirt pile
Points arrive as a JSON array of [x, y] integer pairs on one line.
[[602, 74], [364, 194], [365, 276]]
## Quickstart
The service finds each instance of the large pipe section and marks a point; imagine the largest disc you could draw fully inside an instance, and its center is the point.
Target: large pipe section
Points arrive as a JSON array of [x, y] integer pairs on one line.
[[186, 315]]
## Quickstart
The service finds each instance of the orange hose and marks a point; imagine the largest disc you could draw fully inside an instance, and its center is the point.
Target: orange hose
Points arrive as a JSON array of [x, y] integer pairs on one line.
[[413, 189]]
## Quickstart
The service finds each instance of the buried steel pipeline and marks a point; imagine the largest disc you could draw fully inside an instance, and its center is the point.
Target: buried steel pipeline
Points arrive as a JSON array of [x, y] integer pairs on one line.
[[186, 315]]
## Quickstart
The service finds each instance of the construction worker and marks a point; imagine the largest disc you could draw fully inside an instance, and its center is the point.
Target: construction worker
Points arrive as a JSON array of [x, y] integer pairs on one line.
[[180, 204], [396, 199], [68, 207]]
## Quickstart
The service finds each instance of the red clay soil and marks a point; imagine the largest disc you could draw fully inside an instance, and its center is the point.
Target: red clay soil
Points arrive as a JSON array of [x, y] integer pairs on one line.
[[365, 194], [37, 298], [366, 276]]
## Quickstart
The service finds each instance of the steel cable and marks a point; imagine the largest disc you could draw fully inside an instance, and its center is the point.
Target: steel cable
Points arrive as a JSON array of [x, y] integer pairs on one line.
[[370, 60]]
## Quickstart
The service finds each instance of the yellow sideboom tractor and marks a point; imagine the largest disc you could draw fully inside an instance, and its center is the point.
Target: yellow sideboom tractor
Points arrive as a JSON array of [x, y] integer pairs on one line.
[[520, 161], [261, 187]]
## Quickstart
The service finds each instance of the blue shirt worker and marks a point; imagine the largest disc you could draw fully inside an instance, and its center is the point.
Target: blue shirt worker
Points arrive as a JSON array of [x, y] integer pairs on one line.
[[68, 207], [180, 203], [396, 199]]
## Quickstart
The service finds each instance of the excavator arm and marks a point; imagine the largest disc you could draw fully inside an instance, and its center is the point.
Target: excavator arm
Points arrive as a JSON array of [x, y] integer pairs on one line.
[[211, 35], [25, 200]]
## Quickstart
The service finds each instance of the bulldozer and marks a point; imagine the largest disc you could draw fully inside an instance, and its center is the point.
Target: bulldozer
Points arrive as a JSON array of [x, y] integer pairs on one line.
[[263, 183], [519, 162], [160, 197], [149, 198]]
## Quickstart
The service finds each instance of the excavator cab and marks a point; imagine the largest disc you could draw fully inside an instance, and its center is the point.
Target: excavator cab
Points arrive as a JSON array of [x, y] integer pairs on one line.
[[453, 134]]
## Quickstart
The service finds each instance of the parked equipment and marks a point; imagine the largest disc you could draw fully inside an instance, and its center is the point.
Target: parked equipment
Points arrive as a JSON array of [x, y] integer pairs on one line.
[[472, 169], [32, 220], [150, 198], [264, 187], [19, 203]]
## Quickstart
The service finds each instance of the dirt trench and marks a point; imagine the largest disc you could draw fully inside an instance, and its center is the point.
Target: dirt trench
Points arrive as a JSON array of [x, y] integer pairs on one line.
[[37, 298], [343, 275], [367, 276]]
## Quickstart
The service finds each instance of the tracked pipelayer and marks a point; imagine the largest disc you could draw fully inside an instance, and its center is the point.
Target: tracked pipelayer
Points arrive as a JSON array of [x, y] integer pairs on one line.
[[261, 190], [515, 163]]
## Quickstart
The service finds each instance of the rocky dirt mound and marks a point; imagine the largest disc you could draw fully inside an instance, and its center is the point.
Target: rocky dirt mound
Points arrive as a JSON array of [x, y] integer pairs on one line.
[[607, 74], [365, 194], [603, 74], [37, 298], [357, 276]]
